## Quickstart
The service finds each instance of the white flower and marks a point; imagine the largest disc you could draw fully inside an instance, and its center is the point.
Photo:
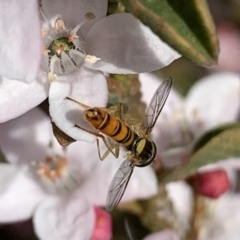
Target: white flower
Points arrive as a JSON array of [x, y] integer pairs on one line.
[[221, 216], [212, 101], [20, 40], [162, 235], [117, 43], [57, 187]]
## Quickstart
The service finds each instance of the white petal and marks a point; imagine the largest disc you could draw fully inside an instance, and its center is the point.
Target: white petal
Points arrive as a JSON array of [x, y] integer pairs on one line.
[[20, 40], [73, 11], [176, 156], [213, 100], [18, 98], [143, 184], [98, 175], [125, 45], [19, 194], [66, 218], [163, 235], [229, 44], [85, 86], [170, 130], [223, 223], [181, 196], [26, 138]]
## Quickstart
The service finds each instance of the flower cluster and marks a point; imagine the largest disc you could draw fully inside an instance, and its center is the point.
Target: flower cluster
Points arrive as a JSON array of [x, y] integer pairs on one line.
[[57, 187], [63, 51], [212, 101], [80, 44]]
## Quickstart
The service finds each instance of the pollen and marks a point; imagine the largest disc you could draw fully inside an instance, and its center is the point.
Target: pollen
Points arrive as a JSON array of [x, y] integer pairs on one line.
[[71, 37], [51, 76], [45, 50], [59, 24], [44, 32], [53, 168], [91, 59]]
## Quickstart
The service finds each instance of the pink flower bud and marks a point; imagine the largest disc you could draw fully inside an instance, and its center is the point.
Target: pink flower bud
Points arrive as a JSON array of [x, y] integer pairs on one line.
[[103, 225], [210, 184]]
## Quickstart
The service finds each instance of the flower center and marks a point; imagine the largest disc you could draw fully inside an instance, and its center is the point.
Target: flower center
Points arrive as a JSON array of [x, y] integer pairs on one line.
[[64, 49], [53, 169], [54, 175], [60, 45]]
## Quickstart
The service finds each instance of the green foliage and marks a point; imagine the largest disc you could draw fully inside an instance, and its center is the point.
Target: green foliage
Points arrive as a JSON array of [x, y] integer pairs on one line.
[[158, 213], [216, 145], [125, 89], [185, 25], [214, 132], [127, 225]]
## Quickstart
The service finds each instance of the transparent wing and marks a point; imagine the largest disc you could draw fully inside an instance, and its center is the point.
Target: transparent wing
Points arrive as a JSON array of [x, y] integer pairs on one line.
[[156, 105], [119, 184]]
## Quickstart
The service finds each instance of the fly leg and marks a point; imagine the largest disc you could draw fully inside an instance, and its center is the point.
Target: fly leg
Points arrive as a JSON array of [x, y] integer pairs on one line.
[[79, 103], [109, 147]]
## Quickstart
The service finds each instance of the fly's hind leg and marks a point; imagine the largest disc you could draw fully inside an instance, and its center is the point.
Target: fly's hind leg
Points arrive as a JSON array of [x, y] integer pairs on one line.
[[110, 148]]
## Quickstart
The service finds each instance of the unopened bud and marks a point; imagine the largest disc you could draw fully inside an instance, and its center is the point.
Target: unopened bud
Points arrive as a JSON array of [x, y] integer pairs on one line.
[[210, 184], [103, 225]]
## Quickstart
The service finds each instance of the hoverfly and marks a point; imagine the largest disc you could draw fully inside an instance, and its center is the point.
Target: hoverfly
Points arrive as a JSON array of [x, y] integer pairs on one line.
[[141, 151]]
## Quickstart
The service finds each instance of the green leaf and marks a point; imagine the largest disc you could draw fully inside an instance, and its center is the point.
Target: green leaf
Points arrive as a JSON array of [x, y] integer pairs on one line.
[[127, 224], [214, 132], [223, 146], [126, 89], [158, 212], [185, 25]]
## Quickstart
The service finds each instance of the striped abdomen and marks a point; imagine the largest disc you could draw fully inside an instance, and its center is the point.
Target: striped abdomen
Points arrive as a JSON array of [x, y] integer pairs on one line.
[[110, 126]]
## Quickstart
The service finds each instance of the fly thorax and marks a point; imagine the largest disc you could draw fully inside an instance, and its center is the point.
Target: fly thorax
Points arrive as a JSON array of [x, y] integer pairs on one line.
[[54, 175], [64, 48]]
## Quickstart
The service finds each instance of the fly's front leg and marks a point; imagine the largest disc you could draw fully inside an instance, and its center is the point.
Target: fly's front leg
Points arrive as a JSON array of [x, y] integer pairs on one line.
[[79, 103]]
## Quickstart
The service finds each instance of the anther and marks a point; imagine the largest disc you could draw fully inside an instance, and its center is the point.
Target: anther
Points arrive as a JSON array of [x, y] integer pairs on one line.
[[91, 59], [59, 24], [90, 16]]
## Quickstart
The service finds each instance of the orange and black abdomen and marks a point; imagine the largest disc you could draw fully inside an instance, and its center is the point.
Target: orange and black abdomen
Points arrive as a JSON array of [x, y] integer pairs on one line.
[[110, 126]]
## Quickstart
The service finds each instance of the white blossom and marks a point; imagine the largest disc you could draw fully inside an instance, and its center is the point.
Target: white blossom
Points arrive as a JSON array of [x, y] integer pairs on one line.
[[58, 188], [90, 45], [163, 235], [212, 101]]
